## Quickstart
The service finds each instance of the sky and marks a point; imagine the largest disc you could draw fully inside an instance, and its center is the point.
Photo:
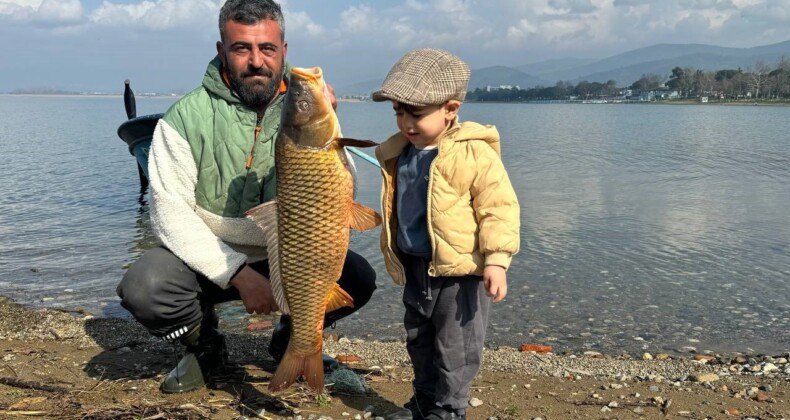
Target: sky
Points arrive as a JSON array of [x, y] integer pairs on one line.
[[164, 45]]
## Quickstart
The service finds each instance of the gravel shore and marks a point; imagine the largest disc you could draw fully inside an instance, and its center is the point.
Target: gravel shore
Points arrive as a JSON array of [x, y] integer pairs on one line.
[[120, 356]]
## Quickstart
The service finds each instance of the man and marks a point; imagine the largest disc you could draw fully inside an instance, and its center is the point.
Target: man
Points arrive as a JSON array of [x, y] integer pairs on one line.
[[212, 159]]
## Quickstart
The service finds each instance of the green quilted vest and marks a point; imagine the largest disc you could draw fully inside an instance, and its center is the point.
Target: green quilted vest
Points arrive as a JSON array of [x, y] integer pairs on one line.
[[221, 133]]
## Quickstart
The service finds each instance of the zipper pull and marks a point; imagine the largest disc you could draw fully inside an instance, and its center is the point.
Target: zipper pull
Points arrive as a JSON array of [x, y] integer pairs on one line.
[[249, 157], [249, 161]]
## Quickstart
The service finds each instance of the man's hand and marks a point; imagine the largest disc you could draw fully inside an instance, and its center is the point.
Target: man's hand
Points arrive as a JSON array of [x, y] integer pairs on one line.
[[495, 281], [255, 291]]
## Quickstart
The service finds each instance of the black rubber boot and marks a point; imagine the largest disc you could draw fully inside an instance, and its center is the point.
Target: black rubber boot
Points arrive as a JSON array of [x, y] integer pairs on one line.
[[281, 335], [206, 353]]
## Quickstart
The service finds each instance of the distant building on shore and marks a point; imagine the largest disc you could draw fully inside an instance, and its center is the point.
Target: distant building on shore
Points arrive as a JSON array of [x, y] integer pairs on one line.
[[490, 88]]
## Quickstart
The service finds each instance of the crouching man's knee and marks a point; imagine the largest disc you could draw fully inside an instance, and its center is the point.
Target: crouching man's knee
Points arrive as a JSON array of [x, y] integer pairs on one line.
[[159, 290]]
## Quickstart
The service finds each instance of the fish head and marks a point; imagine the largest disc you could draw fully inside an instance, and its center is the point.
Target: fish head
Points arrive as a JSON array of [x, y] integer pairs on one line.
[[308, 118]]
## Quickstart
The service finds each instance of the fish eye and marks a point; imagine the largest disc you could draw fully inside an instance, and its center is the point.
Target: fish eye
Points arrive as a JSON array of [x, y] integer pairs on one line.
[[303, 105]]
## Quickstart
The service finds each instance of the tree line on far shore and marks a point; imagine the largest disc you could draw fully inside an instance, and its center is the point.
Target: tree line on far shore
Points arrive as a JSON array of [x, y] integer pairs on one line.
[[758, 82]]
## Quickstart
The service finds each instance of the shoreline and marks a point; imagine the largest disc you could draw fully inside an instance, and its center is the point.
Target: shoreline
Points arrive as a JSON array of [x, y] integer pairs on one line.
[[771, 103], [73, 365], [89, 95], [233, 317]]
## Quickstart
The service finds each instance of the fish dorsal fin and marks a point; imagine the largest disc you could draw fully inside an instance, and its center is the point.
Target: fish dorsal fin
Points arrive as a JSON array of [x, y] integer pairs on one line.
[[265, 216], [338, 298], [363, 217], [345, 141]]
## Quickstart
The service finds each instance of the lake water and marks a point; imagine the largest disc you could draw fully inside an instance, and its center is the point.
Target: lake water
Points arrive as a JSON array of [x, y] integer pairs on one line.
[[643, 227]]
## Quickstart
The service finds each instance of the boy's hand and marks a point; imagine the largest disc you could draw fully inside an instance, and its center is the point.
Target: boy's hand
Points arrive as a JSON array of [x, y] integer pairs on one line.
[[495, 281], [332, 98]]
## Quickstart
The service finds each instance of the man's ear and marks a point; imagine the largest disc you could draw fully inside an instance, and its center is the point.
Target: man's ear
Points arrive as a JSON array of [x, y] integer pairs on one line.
[[221, 54]]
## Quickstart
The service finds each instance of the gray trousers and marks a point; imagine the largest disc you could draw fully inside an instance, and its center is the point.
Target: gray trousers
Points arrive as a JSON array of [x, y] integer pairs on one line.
[[445, 322], [167, 297]]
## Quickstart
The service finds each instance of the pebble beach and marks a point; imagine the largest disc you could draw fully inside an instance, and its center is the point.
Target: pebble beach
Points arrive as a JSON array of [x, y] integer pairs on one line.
[[61, 364]]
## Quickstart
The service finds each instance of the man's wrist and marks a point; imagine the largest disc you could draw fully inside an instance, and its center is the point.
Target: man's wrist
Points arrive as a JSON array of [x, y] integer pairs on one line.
[[236, 274]]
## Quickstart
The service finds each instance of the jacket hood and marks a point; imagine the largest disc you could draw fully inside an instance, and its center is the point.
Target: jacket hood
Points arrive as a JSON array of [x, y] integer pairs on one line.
[[458, 132], [213, 82]]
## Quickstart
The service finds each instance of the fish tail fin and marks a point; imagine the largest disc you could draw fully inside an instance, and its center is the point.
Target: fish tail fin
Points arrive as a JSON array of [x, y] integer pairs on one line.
[[288, 371], [293, 365], [314, 372]]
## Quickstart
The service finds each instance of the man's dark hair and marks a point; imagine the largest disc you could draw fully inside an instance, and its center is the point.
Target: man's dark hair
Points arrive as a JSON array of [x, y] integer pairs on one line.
[[250, 12]]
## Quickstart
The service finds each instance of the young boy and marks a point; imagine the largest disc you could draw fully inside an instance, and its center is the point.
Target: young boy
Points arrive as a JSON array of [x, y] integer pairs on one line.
[[451, 227]]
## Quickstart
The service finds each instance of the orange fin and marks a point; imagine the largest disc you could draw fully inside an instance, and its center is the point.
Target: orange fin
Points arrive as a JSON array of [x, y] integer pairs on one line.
[[338, 298], [345, 141], [314, 372], [363, 217], [265, 217], [292, 366]]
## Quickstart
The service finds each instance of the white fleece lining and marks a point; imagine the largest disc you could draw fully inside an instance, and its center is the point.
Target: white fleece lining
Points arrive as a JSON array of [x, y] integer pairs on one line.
[[176, 221]]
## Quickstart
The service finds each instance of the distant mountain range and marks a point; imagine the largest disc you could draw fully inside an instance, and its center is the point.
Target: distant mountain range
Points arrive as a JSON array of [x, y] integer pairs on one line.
[[624, 68]]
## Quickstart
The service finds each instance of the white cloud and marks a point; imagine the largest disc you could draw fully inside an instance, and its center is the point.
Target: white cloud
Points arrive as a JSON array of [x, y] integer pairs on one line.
[[415, 5], [413, 23], [18, 9], [160, 14], [297, 22], [42, 11], [560, 23], [773, 11], [618, 3], [357, 19], [452, 6], [572, 6], [359, 38], [519, 32], [749, 3]]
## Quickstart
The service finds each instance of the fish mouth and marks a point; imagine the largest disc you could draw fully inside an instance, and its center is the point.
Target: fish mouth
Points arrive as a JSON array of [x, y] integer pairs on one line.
[[313, 79], [308, 112], [313, 73]]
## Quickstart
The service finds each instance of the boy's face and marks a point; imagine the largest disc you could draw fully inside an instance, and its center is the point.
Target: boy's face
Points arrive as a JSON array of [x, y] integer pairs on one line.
[[424, 125]]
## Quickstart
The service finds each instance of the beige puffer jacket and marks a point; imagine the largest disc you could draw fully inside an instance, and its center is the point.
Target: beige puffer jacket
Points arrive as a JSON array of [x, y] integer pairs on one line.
[[473, 217]]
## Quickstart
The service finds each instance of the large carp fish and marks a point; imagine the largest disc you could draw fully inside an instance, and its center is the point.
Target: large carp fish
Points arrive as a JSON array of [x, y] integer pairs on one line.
[[307, 225]]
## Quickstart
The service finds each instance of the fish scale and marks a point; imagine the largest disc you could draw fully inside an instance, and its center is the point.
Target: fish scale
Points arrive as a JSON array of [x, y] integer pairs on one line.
[[311, 181]]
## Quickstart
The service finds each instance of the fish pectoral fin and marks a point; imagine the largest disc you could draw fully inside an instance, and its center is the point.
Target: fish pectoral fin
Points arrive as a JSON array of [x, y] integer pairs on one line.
[[262, 212], [363, 217], [338, 298], [265, 217], [345, 141]]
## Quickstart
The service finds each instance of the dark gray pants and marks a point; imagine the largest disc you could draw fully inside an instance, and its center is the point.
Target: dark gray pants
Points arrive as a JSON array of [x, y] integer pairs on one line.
[[166, 296], [445, 321]]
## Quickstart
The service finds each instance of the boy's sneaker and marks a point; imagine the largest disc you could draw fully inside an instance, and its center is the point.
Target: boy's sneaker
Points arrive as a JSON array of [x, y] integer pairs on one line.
[[416, 408], [402, 414], [441, 413]]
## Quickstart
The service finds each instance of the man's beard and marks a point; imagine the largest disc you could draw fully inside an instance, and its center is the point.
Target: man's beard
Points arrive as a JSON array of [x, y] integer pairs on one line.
[[255, 93]]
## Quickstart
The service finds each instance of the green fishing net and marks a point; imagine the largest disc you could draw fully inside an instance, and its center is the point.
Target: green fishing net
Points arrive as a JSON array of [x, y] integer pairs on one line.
[[346, 380]]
